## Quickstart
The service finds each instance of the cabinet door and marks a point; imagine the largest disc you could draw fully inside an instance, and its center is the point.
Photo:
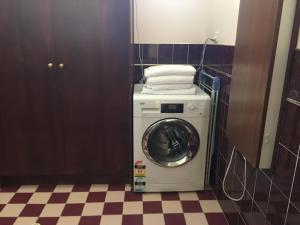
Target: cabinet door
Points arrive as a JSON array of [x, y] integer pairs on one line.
[[92, 40], [256, 41], [28, 109]]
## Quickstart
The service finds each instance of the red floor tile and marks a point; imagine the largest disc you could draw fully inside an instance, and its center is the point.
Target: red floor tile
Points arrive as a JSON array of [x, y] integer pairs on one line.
[[152, 207], [81, 188], [90, 220], [132, 196], [48, 220], [132, 220], [59, 198], [169, 196], [73, 210], [191, 206], [174, 219], [1, 207], [32, 210], [216, 219], [113, 208], [45, 188], [20, 198], [206, 195], [7, 220], [96, 197], [116, 187]]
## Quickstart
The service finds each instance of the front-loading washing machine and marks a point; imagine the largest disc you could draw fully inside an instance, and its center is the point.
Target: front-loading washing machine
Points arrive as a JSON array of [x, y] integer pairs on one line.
[[169, 141]]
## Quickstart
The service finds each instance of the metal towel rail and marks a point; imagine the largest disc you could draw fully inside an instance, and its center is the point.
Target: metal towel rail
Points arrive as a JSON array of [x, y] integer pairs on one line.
[[211, 85]]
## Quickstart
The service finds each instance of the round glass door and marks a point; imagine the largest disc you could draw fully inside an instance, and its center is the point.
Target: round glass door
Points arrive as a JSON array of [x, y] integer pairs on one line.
[[171, 142]]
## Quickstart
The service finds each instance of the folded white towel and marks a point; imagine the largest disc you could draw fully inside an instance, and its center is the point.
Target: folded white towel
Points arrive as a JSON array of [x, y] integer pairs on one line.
[[165, 70], [170, 80], [168, 86], [189, 91]]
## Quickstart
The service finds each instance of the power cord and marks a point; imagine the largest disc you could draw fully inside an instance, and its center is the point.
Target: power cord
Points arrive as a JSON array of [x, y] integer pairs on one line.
[[226, 174]]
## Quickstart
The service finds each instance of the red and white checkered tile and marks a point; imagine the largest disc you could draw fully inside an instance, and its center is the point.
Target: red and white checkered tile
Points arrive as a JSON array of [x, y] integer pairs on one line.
[[99, 204]]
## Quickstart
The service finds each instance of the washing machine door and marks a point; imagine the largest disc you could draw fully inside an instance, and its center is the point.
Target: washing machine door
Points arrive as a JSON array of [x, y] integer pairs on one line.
[[171, 142]]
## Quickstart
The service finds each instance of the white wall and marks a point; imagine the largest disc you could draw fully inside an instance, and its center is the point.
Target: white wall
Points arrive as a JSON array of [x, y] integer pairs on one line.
[[222, 20], [185, 21]]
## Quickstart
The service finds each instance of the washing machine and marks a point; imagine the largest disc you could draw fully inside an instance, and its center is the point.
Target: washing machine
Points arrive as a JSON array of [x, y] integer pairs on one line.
[[169, 141]]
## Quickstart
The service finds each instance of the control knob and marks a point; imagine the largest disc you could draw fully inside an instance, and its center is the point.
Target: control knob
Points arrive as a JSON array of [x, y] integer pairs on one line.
[[191, 107]]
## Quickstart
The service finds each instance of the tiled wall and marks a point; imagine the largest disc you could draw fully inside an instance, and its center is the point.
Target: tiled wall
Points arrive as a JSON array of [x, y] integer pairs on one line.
[[179, 54], [272, 197]]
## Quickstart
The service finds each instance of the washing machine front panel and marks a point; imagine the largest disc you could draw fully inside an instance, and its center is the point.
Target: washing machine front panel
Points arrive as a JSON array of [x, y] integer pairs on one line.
[[171, 142]]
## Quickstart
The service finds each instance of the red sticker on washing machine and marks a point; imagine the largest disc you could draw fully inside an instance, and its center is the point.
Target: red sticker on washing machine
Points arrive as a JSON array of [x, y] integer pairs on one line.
[[139, 169]]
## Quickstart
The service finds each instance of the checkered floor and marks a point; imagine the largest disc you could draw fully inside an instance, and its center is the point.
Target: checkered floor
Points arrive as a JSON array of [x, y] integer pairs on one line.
[[106, 205]]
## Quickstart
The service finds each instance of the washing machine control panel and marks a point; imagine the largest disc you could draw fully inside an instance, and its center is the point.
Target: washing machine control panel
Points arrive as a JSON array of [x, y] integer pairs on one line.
[[171, 108], [191, 108]]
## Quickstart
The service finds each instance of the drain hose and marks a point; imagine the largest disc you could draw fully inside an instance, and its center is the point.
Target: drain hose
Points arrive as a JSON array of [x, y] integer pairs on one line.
[[226, 174]]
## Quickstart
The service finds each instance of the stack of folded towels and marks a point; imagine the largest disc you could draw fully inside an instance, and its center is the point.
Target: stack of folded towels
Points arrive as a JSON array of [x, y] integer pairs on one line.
[[169, 79]]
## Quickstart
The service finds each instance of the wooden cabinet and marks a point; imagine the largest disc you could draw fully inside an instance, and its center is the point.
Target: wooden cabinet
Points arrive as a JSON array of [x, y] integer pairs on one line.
[[28, 99], [95, 51], [72, 118], [255, 49]]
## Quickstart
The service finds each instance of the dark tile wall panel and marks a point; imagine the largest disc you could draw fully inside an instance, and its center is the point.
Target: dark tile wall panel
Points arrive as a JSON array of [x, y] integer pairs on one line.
[[284, 170], [295, 195], [165, 54], [272, 197], [257, 217], [195, 54], [294, 84], [290, 134], [220, 55], [293, 217], [277, 207], [262, 191], [150, 54], [181, 53]]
